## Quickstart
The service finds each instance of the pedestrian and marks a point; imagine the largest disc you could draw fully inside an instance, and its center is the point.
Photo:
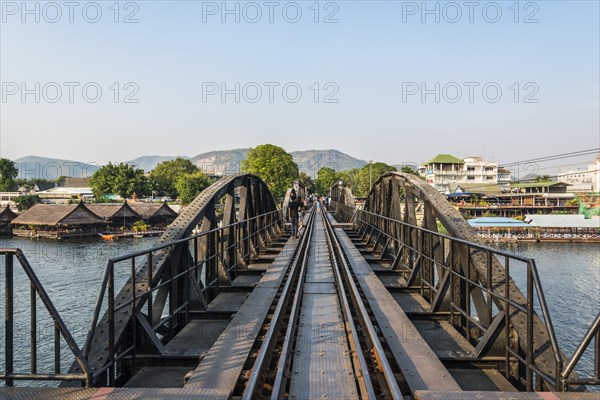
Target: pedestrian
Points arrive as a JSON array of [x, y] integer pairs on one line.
[[294, 207]]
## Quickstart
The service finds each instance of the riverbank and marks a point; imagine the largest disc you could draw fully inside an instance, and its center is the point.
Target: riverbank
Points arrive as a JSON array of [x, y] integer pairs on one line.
[[541, 238]]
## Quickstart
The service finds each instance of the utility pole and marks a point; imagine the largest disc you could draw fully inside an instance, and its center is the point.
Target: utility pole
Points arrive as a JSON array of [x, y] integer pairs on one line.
[[370, 175]]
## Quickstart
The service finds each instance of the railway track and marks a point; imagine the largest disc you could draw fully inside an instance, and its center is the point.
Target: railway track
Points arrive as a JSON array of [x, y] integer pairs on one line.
[[319, 338]]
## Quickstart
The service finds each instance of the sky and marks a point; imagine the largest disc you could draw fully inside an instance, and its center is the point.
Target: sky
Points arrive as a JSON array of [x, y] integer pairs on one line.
[[392, 81]]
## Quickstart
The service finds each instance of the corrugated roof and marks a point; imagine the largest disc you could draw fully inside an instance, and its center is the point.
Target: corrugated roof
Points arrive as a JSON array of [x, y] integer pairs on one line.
[[445, 159], [562, 221], [57, 214], [497, 222], [538, 184], [481, 188]]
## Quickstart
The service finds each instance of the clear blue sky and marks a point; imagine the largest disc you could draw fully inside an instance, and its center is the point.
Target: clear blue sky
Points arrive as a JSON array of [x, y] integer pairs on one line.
[[374, 51]]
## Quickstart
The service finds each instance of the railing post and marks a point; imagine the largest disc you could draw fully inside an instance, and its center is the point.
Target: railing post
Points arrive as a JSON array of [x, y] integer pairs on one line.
[[8, 318], [530, 312], [33, 328], [111, 323]]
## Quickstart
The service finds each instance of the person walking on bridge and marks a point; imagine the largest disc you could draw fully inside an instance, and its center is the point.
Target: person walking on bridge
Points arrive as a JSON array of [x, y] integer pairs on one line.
[[294, 207]]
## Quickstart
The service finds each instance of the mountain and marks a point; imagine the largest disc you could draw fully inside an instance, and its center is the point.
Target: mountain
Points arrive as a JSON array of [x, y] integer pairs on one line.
[[221, 161], [147, 163], [32, 167], [309, 161]]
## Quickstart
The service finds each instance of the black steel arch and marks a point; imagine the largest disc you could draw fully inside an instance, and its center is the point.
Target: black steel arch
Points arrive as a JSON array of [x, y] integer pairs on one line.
[[402, 219], [227, 202]]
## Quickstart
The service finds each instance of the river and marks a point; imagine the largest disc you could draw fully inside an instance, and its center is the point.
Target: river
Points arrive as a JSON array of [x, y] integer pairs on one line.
[[71, 272]]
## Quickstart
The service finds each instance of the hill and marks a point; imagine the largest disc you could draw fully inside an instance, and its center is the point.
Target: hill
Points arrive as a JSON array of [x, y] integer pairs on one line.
[[32, 167], [148, 163], [221, 161], [309, 161]]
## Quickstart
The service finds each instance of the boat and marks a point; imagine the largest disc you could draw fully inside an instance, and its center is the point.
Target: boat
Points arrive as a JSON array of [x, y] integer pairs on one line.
[[108, 236], [137, 235]]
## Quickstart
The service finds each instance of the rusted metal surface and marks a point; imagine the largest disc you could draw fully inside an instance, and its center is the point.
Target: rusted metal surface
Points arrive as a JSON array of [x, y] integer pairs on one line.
[[255, 199], [400, 220]]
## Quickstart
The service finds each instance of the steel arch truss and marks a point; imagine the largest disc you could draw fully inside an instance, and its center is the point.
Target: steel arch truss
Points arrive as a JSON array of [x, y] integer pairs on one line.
[[409, 223], [200, 253]]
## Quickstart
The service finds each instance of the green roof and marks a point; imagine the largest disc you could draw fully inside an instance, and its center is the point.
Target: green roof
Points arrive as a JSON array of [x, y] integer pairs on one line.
[[537, 184], [445, 159], [480, 188]]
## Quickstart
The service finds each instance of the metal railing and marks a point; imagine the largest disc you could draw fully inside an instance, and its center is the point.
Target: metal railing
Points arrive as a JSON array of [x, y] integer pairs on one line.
[[60, 329], [592, 334], [440, 266], [197, 276]]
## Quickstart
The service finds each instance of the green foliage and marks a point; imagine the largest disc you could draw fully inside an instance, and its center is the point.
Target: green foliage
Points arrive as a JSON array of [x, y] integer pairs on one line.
[[542, 178], [348, 178], [369, 175], [190, 185], [164, 177], [326, 178], [8, 173], [307, 181], [276, 167], [410, 170], [27, 201], [140, 226], [121, 179]]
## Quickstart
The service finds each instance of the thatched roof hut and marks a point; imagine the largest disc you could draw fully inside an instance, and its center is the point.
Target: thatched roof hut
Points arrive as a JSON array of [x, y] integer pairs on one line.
[[58, 214], [153, 210], [114, 211], [7, 215]]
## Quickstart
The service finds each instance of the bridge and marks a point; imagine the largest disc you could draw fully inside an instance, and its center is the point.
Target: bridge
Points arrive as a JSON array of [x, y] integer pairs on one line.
[[394, 298]]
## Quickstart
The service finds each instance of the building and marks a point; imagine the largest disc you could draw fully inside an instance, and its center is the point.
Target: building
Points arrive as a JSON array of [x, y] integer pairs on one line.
[[583, 180], [540, 187], [156, 214], [6, 217], [57, 221], [444, 170], [116, 215]]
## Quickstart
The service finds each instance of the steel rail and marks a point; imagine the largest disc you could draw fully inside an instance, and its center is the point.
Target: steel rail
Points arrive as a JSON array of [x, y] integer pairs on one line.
[[271, 335], [367, 384], [370, 329], [278, 387]]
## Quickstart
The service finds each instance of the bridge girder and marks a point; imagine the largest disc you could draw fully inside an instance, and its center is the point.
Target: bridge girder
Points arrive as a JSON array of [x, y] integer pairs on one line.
[[406, 198], [221, 250]]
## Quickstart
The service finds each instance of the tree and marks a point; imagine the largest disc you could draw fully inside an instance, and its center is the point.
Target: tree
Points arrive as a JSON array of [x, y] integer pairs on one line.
[[121, 179], [409, 170], [276, 167], [8, 173], [326, 178], [307, 181], [164, 177], [190, 185], [349, 179], [27, 201], [368, 175]]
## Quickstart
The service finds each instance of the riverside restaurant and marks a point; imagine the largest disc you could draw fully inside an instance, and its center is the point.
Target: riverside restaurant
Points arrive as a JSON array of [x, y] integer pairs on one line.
[[57, 221], [60, 221]]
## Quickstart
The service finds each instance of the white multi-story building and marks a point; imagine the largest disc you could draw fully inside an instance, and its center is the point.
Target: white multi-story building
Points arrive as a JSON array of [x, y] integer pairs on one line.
[[445, 170], [582, 180]]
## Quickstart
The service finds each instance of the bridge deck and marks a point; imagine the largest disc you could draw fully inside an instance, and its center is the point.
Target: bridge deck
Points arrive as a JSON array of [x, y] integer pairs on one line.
[[420, 367], [322, 365], [223, 363]]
